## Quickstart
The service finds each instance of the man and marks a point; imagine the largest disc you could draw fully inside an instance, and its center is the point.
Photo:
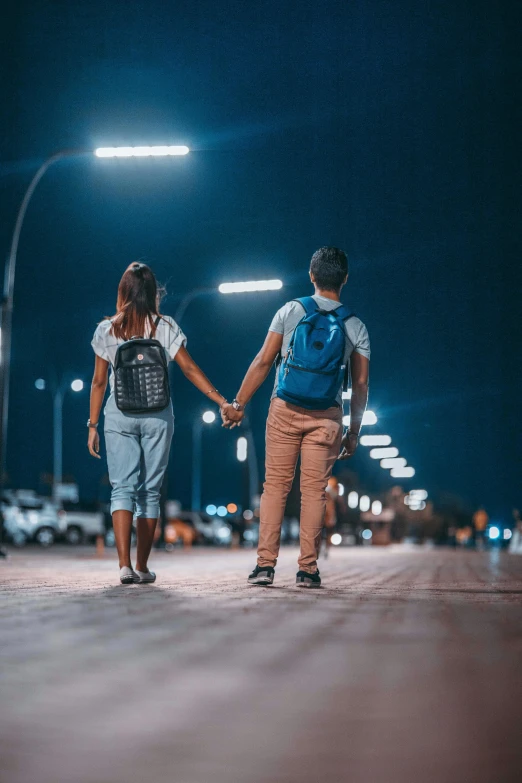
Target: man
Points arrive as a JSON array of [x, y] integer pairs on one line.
[[314, 346], [480, 523]]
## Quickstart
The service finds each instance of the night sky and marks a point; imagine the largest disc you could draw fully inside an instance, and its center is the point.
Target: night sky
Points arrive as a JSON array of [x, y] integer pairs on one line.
[[386, 128]]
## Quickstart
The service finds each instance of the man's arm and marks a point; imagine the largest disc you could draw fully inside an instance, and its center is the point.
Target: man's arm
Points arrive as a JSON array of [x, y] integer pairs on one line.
[[359, 369], [256, 374]]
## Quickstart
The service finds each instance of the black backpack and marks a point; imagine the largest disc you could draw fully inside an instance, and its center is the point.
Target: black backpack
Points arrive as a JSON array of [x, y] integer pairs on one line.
[[141, 380]]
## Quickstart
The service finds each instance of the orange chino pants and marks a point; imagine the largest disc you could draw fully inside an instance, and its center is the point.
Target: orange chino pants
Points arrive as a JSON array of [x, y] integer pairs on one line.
[[316, 436]]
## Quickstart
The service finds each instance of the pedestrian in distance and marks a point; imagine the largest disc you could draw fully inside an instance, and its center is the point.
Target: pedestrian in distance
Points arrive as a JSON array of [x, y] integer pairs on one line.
[[137, 343], [316, 343]]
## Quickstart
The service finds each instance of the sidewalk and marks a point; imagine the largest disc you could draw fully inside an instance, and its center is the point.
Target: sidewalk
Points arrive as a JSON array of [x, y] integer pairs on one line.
[[404, 668]]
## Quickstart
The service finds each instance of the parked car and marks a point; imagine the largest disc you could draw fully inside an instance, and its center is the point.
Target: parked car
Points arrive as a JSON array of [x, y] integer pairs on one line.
[[28, 517], [207, 530], [81, 521]]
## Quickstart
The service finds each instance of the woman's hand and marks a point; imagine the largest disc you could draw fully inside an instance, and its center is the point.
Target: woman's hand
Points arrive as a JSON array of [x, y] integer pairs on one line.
[[231, 418], [93, 442]]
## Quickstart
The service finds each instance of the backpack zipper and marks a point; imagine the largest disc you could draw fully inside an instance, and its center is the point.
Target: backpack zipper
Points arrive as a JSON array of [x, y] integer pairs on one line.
[[304, 369]]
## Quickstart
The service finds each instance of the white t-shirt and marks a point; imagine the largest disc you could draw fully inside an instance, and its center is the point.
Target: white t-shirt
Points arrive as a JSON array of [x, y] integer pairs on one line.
[[287, 318], [168, 333]]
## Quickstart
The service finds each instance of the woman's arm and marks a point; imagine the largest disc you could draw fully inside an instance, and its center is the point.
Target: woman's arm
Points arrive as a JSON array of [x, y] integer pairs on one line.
[[195, 375], [98, 387]]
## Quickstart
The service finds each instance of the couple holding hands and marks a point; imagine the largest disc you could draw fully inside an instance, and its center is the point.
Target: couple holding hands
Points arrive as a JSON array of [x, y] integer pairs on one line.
[[317, 344]]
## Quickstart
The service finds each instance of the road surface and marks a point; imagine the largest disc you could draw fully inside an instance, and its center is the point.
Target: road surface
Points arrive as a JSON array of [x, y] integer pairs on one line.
[[406, 667]]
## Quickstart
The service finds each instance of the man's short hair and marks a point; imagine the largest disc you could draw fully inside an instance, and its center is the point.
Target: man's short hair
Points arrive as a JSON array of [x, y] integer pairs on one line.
[[329, 266]]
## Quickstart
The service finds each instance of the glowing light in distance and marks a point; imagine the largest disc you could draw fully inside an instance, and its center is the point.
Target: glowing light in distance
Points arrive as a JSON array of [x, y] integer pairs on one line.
[[375, 440], [208, 417], [336, 539], [231, 508], [420, 494], [223, 533], [382, 453], [417, 505], [493, 532], [242, 449], [157, 151], [376, 508], [367, 534], [253, 285], [364, 503], [347, 395], [353, 500], [211, 509], [369, 417], [221, 511], [402, 472], [340, 490], [507, 534], [394, 462], [248, 514], [77, 385], [40, 384]]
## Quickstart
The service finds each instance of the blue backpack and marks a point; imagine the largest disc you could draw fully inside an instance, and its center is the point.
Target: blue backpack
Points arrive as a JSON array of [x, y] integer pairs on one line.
[[313, 369]]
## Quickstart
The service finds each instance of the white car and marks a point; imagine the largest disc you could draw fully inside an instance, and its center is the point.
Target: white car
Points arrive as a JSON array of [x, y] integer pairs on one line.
[[28, 517], [81, 522]]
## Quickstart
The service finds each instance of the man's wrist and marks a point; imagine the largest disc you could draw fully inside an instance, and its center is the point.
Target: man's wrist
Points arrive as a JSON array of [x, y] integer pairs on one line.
[[237, 405]]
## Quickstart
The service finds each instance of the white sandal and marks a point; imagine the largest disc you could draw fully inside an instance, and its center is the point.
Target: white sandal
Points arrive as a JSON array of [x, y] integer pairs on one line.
[[128, 576], [145, 577]]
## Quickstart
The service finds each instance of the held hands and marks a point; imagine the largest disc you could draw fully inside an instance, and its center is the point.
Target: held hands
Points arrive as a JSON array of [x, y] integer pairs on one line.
[[348, 445], [230, 417]]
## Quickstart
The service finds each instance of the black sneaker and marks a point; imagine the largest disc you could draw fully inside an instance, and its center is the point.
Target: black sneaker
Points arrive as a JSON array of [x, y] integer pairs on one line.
[[262, 575], [304, 579]]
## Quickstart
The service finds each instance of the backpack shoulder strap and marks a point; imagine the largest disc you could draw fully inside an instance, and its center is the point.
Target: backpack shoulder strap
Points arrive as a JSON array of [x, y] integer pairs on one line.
[[343, 312], [308, 304], [156, 322]]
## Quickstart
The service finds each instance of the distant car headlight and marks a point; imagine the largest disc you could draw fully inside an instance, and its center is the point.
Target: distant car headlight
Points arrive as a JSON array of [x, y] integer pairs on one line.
[[336, 539], [224, 533]]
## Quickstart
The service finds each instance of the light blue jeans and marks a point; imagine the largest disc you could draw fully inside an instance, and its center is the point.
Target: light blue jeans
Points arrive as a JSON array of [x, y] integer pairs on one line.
[[137, 448]]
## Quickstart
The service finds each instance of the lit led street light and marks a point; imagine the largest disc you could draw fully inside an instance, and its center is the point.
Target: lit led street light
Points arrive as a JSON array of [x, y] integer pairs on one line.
[[6, 309], [375, 440], [253, 285], [242, 449], [383, 453], [209, 417], [159, 151], [364, 503], [402, 472], [395, 462], [369, 417]]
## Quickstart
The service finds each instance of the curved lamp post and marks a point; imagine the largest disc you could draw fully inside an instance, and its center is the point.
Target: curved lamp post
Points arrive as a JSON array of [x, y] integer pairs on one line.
[[10, 270]]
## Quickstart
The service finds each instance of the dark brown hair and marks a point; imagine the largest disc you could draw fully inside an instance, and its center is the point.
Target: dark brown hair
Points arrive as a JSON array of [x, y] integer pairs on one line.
[[137, 303]]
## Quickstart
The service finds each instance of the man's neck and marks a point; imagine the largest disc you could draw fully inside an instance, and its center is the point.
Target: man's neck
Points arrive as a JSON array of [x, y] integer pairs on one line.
[[335, 295]]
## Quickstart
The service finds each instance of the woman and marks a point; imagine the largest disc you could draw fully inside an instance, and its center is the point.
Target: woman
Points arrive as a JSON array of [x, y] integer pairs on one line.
[[137, 444]]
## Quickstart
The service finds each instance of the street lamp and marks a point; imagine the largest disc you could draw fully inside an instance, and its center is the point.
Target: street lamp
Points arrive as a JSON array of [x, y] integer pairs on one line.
[[225, 288], [6, 316], [208, 417], [58, 393]]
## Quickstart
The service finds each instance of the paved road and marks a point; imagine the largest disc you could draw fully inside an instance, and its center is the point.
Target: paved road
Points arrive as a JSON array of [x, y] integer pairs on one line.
[[405, 668]]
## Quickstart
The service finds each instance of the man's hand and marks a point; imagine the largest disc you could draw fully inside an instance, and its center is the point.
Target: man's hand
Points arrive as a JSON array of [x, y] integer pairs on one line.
[[348, 445], [230, 417]]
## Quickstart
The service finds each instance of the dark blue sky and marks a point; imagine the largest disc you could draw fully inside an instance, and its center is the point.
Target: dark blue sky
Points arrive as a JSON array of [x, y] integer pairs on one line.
[[385, 128]]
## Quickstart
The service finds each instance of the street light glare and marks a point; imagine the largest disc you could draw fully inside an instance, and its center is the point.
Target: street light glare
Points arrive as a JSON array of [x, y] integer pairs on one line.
[[253, 285], [209, 417], [77, 385], [391, 451], [353, 500], [242, 449], [393, 462], [402, 472], [364, 503], [369, 417], [375, 440], [158, 151], [40, 384]]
